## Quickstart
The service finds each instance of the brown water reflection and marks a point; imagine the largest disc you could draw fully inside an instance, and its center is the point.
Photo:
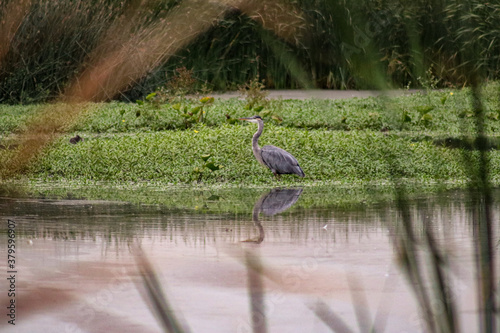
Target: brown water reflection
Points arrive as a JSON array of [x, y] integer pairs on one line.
[[76, 271]]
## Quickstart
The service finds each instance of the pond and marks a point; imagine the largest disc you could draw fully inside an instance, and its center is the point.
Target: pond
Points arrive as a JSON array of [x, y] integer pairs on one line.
[[323, 265]]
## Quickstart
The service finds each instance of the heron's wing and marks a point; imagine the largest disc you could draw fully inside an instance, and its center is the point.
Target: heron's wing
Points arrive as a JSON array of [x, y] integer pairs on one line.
[[280, 161], [279, 200]]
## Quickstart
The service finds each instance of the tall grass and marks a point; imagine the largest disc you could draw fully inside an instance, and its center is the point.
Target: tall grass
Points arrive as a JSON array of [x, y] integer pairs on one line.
[[50, 45], [326, 44]]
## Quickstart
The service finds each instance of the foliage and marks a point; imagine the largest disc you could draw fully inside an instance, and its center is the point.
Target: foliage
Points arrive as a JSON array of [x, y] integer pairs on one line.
[[338, 45], [445, 136], [207, 166], [194, 114], [254, 93], [256, 100], [334, 140], [440, 113], [177, 88], [436, 113], [182, 83], [325, 156]]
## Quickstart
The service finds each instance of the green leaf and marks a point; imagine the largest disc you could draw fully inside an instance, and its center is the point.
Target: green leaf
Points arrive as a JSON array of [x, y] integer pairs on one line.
[[277, 119], [139, 102], [196, 109], [206, 157], [207, 99], [423, 109], [150, 96], [264, 113], [177, 106], [426, 117], [406, 117], [492, 115], [258, 108], [212, 166]]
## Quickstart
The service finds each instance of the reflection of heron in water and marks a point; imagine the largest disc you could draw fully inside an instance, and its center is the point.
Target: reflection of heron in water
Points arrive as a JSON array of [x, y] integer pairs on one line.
[[271, 203]]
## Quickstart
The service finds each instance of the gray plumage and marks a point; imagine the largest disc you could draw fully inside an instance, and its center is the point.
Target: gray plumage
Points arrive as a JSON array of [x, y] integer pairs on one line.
[[277, 201], [278, 160], [271, 203]]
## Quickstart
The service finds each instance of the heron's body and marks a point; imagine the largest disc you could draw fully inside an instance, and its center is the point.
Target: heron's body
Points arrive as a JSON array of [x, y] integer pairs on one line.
[[278, 160]]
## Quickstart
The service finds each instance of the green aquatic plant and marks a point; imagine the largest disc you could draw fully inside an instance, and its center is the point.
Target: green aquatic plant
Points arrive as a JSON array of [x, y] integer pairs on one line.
[[150, 99], [193, 114], [335, 140], [451, 118], [207, 166]]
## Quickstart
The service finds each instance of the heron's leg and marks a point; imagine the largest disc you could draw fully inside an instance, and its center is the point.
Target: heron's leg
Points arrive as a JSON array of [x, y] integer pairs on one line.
[[277, 175]]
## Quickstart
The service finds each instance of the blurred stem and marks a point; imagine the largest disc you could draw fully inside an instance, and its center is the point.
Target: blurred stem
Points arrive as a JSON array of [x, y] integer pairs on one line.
[[329, 318], [406, 245], [416, 49], [481, 200], [441, 283], [256, 292], [155, 295], [287, 59]]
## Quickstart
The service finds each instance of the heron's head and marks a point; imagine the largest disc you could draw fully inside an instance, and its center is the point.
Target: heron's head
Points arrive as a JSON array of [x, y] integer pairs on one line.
[[253, 119]]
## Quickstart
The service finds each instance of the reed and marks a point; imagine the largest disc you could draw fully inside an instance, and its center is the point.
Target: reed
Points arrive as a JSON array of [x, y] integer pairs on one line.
[[299, 44]]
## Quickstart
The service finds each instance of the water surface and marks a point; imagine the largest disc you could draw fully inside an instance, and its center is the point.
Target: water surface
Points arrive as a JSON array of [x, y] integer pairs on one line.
[[76, 270]]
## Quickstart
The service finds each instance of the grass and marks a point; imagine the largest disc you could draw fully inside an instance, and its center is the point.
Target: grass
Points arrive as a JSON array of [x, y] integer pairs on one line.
[[335, 141], [173, 157], [447, 112], [297, 44]]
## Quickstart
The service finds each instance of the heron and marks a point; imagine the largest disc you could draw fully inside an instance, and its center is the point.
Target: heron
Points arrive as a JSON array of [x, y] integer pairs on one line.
[[278, 160]]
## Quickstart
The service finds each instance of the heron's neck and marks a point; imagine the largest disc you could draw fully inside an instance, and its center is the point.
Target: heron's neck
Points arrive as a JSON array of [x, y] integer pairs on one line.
[[255, 139], [255, 143]]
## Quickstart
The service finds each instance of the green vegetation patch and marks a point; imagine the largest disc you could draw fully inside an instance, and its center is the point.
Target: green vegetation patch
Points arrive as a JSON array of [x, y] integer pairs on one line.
[[436, 113], [177, 157], [423, 137], [156, 198]]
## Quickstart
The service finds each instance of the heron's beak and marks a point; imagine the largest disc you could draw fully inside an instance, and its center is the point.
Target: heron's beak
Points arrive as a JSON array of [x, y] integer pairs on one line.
[[247, 119]]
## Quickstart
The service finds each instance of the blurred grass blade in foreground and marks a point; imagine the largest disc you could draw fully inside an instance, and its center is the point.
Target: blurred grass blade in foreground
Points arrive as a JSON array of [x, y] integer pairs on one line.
[[256, 292], [155, 295]]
